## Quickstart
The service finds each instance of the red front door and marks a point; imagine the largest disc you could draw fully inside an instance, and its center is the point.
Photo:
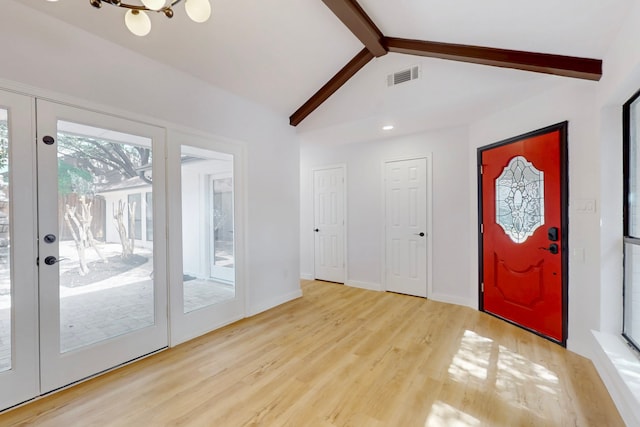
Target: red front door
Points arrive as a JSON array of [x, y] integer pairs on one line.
[[523, 269]]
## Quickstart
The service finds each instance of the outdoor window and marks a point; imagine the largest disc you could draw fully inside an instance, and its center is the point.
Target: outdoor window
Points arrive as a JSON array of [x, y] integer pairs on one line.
[[631, 324], [149, 217], [135, 210]]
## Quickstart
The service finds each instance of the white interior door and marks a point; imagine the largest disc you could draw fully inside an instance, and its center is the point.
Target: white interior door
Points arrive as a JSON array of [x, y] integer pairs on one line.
[[328, 196], [102, 245], [206, 230], [406, 231], [18, 280]]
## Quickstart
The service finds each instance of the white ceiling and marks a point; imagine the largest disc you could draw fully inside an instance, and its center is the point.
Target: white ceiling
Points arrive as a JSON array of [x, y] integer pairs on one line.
[[280, 52]]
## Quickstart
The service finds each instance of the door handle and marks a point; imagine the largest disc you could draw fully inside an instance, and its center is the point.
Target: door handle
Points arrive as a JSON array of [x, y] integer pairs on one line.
[[316, 230], [51, 260], [553, 248], [421, 234], [552, 234]]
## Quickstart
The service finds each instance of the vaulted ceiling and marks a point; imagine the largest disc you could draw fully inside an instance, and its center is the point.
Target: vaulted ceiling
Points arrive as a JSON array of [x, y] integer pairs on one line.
[[279, 53]]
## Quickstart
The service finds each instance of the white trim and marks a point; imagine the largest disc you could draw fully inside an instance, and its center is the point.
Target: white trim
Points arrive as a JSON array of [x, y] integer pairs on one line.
[[429, 231], [617, 365], [365, 285], [345, 257], [274, 302], [451, 299], [306, 276]]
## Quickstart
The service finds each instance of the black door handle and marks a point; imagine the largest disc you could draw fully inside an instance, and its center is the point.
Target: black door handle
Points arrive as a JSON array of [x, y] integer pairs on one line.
[[50, 260], [553, 248], [316, 230], [552, 234], [421, 234]]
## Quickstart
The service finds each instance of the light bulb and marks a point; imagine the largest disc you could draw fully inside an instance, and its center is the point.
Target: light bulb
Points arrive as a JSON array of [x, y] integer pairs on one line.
[[198, 10], [154, 4], [137, 22]]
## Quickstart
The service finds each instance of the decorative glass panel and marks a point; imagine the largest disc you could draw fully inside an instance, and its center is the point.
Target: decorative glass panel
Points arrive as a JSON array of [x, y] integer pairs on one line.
[[520, 199]]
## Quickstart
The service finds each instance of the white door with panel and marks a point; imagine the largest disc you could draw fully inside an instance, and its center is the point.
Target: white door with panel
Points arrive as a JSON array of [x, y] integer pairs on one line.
[[329, 220], [102, 244], [406, 233], [18, 283]]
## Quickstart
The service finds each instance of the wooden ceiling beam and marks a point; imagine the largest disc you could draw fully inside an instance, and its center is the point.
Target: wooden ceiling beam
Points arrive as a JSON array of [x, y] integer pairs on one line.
[[348, 71], [359, 23], [566, 66]]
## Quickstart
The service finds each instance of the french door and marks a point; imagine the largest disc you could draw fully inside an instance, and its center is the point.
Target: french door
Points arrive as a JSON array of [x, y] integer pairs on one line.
[[103, 297], [82, 244], [19, 343], [524, 231]]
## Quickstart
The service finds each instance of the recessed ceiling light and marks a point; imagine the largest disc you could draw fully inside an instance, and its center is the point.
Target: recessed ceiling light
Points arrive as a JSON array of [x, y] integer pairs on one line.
[[387, 127]]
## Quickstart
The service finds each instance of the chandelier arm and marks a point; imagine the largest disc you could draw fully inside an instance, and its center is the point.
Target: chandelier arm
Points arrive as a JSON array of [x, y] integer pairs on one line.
[[144, 8]]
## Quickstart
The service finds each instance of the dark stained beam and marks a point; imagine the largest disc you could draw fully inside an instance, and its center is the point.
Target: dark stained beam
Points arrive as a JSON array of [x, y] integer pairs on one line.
[[356, 20], [348, 71], [566, 66]]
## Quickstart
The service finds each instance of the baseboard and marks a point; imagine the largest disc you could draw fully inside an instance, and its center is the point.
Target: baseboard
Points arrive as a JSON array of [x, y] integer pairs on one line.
[[274, 302], [617, 364], [450, 299], [364, 285], [306, 276]]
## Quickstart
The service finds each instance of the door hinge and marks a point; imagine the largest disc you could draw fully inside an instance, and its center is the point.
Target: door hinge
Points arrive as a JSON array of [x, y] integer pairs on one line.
[[481, 228], [481, 286]]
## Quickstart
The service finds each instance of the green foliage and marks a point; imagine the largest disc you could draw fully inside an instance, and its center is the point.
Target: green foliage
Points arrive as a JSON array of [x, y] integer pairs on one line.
[[81, 158], [73, 180]]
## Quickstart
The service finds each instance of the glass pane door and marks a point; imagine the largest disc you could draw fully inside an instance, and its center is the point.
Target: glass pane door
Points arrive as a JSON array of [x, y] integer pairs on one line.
[[206, 291], [100, 269], [18, 285]]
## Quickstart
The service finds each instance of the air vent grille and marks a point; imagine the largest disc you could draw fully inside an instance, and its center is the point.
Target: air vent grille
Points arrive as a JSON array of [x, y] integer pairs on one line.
[[403, 76]]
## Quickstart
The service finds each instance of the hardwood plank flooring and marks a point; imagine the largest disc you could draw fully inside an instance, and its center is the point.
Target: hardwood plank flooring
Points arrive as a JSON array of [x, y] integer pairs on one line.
[[342, 356]]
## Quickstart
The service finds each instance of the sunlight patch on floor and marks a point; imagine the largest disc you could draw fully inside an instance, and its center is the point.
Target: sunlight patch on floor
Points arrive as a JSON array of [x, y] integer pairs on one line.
[[446, 415], [472, 358]]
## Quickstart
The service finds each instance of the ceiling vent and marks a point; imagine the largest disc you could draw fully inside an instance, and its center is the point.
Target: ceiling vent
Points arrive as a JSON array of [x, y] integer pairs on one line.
[[403, 76]]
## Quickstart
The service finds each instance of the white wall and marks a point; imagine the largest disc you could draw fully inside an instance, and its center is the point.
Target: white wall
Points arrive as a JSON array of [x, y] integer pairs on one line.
[[365, 207], [617, 365], [54, 60]]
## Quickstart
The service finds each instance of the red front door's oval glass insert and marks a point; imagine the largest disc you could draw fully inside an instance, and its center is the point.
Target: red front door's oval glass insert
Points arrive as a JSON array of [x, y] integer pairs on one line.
[[520, 199]]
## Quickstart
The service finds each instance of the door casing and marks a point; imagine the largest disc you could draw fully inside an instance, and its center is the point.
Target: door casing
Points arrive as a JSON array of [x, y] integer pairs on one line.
[[564, 202]]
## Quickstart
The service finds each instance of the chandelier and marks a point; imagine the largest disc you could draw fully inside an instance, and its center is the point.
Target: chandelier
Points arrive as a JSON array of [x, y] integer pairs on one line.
[[137, 20]]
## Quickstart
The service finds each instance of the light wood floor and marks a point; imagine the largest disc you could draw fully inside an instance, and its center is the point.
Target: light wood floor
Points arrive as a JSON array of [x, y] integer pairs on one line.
[[341, 356]]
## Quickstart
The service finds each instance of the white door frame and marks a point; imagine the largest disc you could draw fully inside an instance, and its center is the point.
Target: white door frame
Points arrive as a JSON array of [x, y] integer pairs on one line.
[[185, 326], [342, 166], [429, 231]]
